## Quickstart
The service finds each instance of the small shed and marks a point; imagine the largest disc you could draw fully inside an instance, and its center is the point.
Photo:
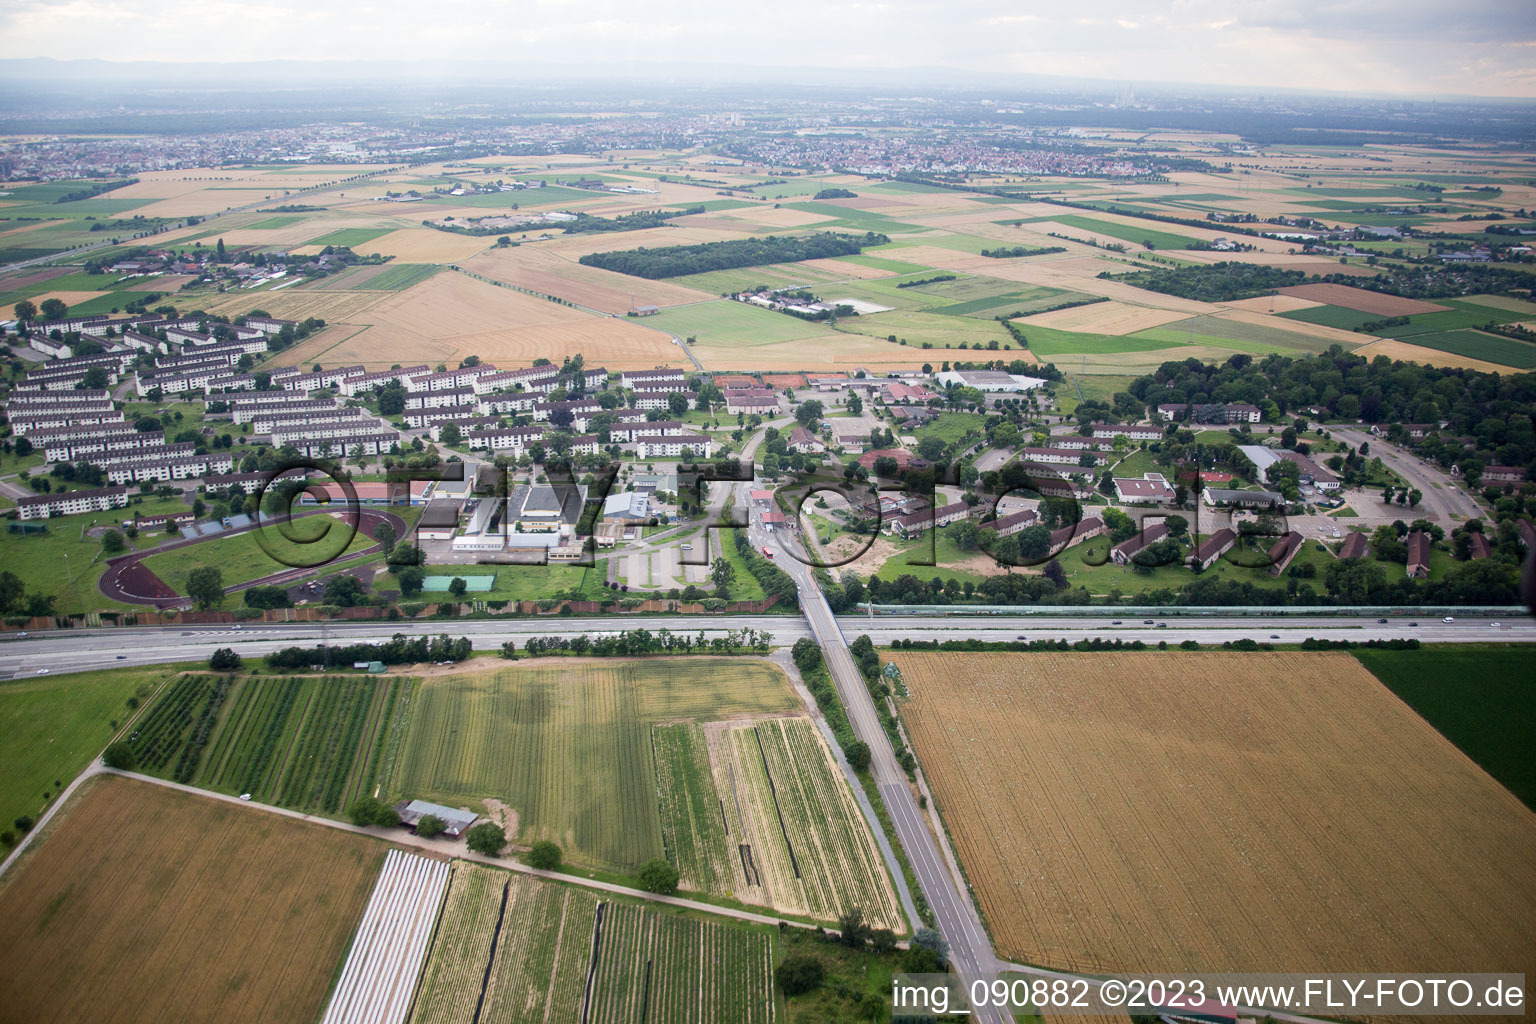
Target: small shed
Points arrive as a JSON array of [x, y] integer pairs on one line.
[[458, 819]]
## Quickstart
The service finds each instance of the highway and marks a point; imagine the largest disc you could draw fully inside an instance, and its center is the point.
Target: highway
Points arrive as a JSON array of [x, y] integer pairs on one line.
[[76, 650]]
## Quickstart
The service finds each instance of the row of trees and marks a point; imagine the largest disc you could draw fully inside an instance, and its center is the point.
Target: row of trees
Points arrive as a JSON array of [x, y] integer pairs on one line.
[[632, 642], [397, 650], [676, 260]]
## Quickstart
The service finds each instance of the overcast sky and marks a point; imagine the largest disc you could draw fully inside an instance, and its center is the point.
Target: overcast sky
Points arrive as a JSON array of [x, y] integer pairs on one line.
[[1477, 47]]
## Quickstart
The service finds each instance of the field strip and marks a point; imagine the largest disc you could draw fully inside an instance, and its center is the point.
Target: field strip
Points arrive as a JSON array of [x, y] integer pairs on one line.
[[380, 973]]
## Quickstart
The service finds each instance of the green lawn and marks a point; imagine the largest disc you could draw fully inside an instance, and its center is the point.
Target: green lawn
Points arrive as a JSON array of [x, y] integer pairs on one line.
[[951, 427], [1483, 700], [54, 725], [723, 322], [67, 565], [241, 557], [525, 582]]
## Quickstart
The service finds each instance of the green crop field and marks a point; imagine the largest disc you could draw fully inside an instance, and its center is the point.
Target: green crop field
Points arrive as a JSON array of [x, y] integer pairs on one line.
[[935, 329], [350, 237], [282, 220], [881, 263], [241, 557], [1332, 316], [1484, 701], [1134, 234], [851, 219], [310, 743], [803, 834], [530, 944], [1237, 335], [1480, 345], [723, 322], [397, 278], [719, 282], [692, 820], [1463, 314], [567, 743], [1049, 343], [54, 725]]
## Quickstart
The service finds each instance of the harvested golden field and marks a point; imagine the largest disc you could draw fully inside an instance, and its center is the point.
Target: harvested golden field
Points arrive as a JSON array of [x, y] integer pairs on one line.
[[427, 245], [147, 904], [1362, 300], [1103, 318], [1220, 812], [1406, 352], [783, 217], [544, 271], [301, 303], [1272, 304], [695, 232], [68, 298]]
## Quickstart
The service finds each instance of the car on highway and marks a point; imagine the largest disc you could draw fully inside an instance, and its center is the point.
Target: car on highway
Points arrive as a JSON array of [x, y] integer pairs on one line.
[[1019, 637], [1274, 636], [42, 671], [1146, 622], [1413, 623], [122, 657], [23, 635], [1162, 625], [1115, 622], [1381, 622], [1449, 618]]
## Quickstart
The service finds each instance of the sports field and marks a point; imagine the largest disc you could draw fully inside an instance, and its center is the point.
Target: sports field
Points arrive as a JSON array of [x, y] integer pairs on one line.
[[54, 725], [1183, 811], [242, 557], [147, 905], [566, 743]]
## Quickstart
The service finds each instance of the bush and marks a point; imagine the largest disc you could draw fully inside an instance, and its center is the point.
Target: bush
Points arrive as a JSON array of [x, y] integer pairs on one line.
[[545, 855], [487, 838], [659, 876], [799, 974], [431, 826], [120, 756], [224, 660]]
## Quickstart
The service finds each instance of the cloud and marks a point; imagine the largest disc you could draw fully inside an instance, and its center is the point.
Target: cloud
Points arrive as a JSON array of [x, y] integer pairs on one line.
[[1474, 46]]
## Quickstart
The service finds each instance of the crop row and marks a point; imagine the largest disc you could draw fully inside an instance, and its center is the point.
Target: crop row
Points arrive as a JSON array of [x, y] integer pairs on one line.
[[182, 713], [454, 977], [839, 862], [540, 966], [692, 824]]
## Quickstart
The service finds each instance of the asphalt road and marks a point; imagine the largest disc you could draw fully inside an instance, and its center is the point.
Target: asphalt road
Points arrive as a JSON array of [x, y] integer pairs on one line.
[[77, 650], [970, 949], [1443, 497]]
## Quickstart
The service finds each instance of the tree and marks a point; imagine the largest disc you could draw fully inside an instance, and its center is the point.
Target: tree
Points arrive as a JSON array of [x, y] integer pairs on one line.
[[724, 574], [95, 379], [344, 590], [809, 412], [120, 756], [851, 928], [487, 838], [385, 535], [449, 434], [23, 447], [659, 876], [205, 586], [430, 826], [224, 660], [855, 405], [267, 597], [24, 310], [457, 587], [392, 399], [11, 591], [367, 810], [411, 579], [799, 974], [927, 938], [113, 543], [54, 309], [857, 753], [544, 855]]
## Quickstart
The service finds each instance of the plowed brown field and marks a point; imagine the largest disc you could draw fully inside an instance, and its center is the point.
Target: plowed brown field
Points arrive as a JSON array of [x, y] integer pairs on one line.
[[1210, 811], [146, 904]]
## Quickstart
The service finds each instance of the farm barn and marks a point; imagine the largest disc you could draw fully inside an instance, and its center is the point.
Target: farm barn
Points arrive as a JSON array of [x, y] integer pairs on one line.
[[456, 818]]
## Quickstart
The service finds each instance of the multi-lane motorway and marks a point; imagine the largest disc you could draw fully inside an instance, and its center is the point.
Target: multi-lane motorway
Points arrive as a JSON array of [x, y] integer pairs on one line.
[[74, 650]]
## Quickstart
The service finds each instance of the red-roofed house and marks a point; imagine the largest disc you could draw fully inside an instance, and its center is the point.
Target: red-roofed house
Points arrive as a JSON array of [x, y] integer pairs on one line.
[[1418, 554]]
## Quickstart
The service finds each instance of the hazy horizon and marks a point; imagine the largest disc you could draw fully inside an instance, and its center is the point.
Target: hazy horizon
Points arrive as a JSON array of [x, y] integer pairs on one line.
[[1368, 47]]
